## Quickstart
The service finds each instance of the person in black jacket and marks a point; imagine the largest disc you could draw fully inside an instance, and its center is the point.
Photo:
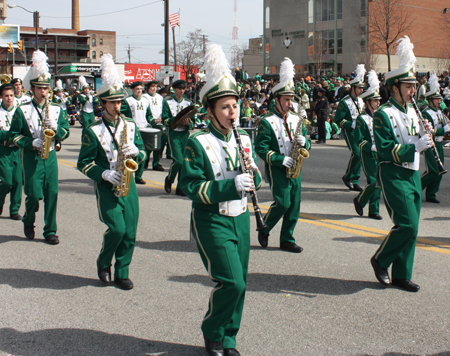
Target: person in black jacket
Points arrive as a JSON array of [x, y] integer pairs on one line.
[[320, 111]]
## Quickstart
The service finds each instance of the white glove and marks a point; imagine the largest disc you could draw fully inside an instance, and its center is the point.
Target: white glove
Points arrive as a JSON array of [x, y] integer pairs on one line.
[[38, 143], [425, 142], [289, 162], [300, 139], [427, 125], [374, 148], [52, 124], [244, 182], [447, 128], [111, 176], [250, 164], [130, 149]]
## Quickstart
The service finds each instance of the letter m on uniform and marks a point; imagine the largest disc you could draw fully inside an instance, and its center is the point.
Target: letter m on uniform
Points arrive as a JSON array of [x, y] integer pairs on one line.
[[233, 163], [139, 106]]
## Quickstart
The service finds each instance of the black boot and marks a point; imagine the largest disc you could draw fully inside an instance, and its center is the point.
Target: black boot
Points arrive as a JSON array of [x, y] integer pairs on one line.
[[213, 348], [167, 185], [380, 272], [52, 239], [405, 284], [358, 207], [104, 274], [29, 231], [291, 247], [124, 283], [348, 183]]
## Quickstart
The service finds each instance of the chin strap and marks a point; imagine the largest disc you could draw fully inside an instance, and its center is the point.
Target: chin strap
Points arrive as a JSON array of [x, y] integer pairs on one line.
[[215, 117], [401, 94]]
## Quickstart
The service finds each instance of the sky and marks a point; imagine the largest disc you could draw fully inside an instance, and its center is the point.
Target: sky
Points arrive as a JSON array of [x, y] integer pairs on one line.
[[141, 27]]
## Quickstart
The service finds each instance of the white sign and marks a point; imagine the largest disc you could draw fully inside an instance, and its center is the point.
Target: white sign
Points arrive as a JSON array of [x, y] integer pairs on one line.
[[166, 70], [166, 80]]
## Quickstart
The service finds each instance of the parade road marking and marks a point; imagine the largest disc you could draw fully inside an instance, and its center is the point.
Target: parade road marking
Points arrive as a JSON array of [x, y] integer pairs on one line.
[[354, 229]]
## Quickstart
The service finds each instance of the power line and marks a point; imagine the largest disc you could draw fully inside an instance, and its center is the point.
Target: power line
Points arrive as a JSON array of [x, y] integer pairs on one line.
[[106, 13]]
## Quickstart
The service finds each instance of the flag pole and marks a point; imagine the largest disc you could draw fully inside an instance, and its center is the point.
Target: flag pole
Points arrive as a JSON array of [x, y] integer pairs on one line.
[[174, 49]]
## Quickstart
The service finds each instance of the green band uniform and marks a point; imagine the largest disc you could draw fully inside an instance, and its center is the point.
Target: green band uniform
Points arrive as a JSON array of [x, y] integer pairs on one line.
[[87, 108]]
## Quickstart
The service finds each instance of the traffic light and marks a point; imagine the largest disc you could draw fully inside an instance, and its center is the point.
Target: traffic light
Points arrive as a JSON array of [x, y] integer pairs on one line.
[[20, 43], [10, 49]]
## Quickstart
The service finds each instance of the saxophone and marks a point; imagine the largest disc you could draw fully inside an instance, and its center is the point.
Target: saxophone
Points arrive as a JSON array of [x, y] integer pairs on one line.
[[297, 152], [126, 166], [47, 134]]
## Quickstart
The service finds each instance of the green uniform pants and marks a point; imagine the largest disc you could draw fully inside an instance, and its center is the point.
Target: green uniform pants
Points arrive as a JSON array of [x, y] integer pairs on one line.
[[177, 142], [88, 118], [141, 168], [371, 192], [11, 177], [287, 195], [354, 165], [41, 182], [224, 246], [431, 179], [121, 217], [403, 198]]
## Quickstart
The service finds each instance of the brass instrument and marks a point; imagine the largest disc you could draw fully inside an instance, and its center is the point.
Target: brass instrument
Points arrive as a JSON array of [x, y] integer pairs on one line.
[[126, 166], [5, 78], [299, 154], [47, 134]]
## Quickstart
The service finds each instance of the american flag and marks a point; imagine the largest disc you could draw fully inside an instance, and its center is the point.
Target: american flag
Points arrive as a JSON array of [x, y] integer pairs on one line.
[[174, 19]]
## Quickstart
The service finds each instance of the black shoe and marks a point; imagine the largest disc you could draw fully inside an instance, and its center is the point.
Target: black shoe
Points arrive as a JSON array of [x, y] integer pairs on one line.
[[125, 283], [231, 352], [434, 200], [169, 157], [348, 183], [375, 216], [213, 348], [15, 217], [263, 239], [104, 274], [357, 188], [158, 168], [167, 185], [52, 239], [139, 181], [291, 247], [179, 192], [29, 231], [405, 284], [358, 207], [320, 141], [380, 272]]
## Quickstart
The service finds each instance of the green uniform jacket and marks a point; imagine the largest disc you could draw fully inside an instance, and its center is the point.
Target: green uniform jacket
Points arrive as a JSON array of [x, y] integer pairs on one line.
[[92, 160], [363, 137], [82, 99], [343, 117]]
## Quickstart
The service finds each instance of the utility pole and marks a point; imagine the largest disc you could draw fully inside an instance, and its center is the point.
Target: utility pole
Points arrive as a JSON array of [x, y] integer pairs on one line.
[[36, 26], [166, 33], [129, 53], [204, 46], [174, 50], [56, 57]]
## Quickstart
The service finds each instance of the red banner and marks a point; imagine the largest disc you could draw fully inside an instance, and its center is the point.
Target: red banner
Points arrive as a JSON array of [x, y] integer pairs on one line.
[[147, 72]]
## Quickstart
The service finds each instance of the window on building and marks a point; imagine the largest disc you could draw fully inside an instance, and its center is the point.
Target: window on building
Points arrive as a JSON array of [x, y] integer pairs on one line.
[[324, 10], [267, 17], [363, 8], [60, 53], [94, 55], [325, 40], [93, 42], [339, 9], [101, 41], [310, 11], [101, 53], [339, 41]]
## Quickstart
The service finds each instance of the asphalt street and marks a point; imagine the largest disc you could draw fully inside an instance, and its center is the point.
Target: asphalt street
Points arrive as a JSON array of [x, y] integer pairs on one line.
[[324, 301]]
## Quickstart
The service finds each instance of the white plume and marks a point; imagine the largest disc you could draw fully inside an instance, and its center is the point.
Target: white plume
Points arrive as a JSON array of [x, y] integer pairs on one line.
[[59, 84], [374, 83], [360, 71], [82, 81], [434, 83], [40, 64], [287, 71], [216, 64], [110, 73], [201, 76], [405, 52]]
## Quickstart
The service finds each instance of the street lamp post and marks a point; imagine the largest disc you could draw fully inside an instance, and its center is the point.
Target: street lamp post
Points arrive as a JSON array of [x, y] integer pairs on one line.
[[35, 20]]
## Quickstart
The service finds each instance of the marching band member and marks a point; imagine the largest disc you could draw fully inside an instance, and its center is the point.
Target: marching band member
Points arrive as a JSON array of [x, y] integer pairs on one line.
[[211, 178], [137, 107], [178, 136], [276, 134], [41, 175], [364, 139], [346, 113], [431, 179], [399, 139], [10, 161], [87, 101], [160, 113], [102, 145], [20, 97]]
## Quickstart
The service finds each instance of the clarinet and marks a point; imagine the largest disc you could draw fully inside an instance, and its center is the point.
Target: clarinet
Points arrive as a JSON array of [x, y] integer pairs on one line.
[[260, 224], [441, 168]]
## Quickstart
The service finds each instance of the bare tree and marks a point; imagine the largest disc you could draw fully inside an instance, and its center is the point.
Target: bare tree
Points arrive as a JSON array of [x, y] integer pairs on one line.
[[388, 21], [442, 62], [237, 62], [190, 52], [319, 52]]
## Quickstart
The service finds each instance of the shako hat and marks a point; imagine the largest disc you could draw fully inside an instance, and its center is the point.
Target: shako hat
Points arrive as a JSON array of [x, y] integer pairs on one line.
[[373, 93], [83, 83], [286, 84], [434, 92], [58, 86], [40, 75], [358, 81], [112, 87], [405, 72], [219, 81]]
